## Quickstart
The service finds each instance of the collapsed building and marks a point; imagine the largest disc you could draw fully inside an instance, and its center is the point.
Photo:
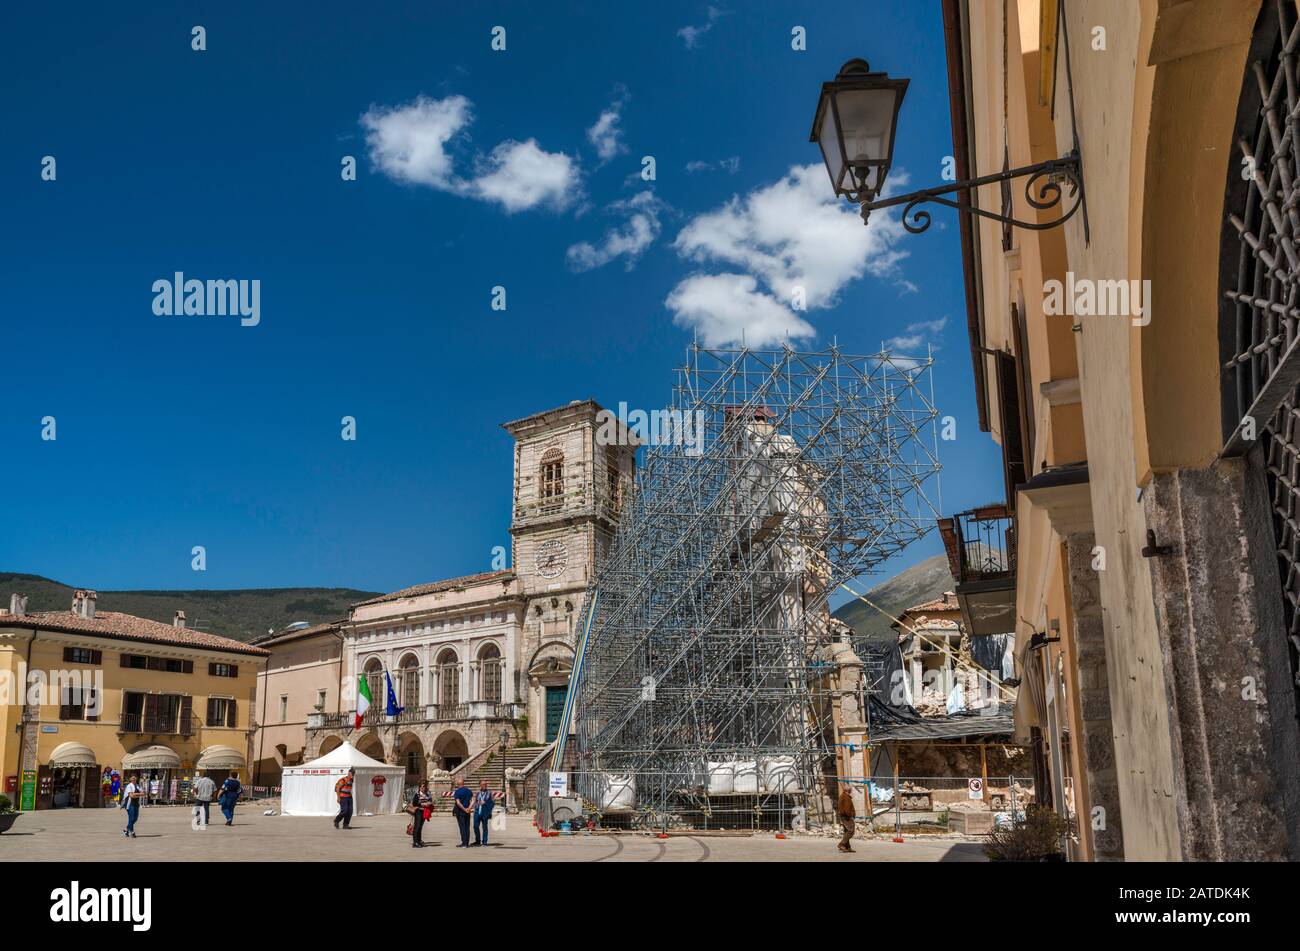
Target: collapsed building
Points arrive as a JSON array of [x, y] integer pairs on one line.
[[712, 686]]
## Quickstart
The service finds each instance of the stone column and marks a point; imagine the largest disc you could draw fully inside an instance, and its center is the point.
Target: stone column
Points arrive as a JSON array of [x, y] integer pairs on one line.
[[1219, 604], [1096, 746]]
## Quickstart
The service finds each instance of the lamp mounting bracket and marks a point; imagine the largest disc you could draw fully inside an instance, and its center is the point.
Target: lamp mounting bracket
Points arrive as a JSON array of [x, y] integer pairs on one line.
[[1046, 186]]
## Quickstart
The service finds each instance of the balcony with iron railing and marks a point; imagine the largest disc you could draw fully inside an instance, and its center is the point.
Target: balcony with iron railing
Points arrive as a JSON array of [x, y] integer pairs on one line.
[[425, 713], [981, 548], [160, 724]]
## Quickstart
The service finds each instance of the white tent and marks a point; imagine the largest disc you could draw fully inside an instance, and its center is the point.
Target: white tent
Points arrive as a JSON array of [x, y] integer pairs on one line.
[[308, 790]]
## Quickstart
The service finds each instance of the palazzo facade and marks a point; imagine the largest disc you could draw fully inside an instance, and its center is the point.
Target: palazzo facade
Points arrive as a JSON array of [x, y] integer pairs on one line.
[[475, 657]]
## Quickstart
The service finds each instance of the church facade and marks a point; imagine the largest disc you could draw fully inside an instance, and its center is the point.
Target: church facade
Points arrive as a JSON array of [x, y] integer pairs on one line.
[[475, 656]]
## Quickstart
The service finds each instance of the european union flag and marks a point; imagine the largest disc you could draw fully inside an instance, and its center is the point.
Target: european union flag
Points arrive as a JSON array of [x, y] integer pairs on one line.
[[392, 709]]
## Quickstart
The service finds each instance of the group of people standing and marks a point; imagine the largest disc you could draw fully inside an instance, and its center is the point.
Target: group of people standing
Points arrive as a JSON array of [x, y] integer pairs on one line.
[[468, 807], [476, 807], [471, 809]]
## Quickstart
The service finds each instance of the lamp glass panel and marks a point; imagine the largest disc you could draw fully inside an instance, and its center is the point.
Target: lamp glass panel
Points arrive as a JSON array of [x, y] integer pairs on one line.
[[867, 123], [830, 146]]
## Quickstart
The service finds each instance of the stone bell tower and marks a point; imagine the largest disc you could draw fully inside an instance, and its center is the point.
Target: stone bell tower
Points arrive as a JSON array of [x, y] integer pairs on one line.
[[569, 490]]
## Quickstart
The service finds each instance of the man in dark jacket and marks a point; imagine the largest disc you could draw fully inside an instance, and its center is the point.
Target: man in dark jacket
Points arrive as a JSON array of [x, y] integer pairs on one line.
[[230, 793], [846, 813], [483, 804], [462, 804]]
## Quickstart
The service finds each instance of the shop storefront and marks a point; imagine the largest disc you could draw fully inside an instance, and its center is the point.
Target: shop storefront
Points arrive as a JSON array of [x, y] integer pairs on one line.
[[70, 780], [159, 772], [218, 762]]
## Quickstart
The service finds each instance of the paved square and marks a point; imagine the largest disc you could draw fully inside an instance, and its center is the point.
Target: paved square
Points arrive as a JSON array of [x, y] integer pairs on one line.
[[164, 835]]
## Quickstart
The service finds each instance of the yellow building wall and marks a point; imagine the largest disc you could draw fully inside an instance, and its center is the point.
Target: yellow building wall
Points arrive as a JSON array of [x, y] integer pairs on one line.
[[1112, 422], [103, 737]]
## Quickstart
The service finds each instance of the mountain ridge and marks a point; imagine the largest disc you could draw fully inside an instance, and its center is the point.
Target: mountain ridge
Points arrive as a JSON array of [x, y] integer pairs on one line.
[[239, 613], [924, 581]]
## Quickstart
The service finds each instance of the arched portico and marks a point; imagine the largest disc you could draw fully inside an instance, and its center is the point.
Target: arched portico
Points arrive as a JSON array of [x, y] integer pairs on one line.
[[1189, 114], [371, 745], [450, 749], [411, 756]]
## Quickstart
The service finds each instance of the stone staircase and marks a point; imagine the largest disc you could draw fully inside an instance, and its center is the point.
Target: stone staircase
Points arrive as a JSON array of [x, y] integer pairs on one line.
[[490, 768]]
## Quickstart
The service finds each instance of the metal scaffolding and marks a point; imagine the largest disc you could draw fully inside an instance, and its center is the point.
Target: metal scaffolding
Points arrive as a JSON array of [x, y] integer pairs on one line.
[[705, 654]]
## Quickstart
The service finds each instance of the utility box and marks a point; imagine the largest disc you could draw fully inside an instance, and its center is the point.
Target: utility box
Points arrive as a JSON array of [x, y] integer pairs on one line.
[[557, 809]]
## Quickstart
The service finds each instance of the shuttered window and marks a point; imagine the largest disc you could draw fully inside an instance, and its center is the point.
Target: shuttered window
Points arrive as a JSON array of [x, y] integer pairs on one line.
[[169, 665]]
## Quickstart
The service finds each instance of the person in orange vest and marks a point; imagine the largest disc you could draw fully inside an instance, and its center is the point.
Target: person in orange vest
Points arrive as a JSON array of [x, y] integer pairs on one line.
[[343, 793], [846, 813]]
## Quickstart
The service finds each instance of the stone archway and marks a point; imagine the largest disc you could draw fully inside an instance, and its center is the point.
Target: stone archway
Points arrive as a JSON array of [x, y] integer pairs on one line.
[[371, 745], [411, 756], [1210, 362], [450, 749], [329, 744], [1187, 117]]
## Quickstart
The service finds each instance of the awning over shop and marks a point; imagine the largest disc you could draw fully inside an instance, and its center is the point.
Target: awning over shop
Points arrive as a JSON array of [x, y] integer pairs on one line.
[[151, 757], [220, 757], [73, 754]]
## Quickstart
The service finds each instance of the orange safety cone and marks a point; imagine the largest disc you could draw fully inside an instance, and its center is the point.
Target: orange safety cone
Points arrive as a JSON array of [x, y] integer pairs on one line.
[[780, 835], [898, 838]]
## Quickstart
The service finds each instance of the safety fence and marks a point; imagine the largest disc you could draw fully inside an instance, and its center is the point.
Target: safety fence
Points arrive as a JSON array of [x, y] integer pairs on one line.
[[740, 796], [966, 804], [754, 799]]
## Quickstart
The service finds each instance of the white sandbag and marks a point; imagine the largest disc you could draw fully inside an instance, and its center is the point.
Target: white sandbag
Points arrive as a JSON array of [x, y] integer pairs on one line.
[[779, 775], [746, 777], [722, 779], [618, 791]]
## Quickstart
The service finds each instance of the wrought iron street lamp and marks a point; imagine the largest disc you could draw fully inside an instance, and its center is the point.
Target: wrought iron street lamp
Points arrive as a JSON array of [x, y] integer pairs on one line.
[[854, 126]]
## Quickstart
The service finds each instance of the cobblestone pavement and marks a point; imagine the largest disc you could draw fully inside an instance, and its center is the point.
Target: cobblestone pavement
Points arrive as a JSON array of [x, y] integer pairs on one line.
[[164, 834]]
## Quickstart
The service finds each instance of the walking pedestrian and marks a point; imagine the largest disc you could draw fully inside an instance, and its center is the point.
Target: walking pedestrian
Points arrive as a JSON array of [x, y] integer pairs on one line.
[[343, 793], [846, 813], [420, 808], [204, 790], [462, 805], [230, 792], [131, 795], [483, 805]]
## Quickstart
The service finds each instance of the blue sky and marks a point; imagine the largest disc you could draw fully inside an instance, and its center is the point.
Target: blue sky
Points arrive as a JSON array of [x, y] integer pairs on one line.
[[475, 168]]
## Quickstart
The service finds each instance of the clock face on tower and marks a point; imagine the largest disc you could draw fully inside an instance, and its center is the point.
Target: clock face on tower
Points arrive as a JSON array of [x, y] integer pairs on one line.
[[551, 558]]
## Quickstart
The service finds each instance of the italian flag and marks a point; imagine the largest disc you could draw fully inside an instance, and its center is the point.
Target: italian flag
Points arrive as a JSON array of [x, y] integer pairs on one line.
[[363, 699]]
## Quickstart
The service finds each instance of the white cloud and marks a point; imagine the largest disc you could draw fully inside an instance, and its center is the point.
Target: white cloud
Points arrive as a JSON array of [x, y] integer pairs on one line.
[[409, 144], [729, 165], [521, 175], [630, 240], [796, 239], [729, 308], [606, 136], [691, 35], [796, 233], [918, 335]]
